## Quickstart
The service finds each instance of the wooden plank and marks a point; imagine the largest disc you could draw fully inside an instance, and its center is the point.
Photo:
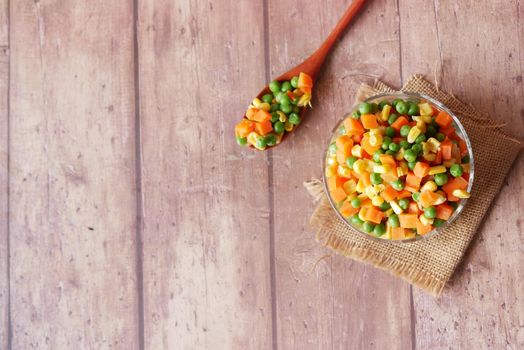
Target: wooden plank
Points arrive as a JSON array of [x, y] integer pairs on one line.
[[482, 308], [325, 301], [206, 205], [4, 22], [4, 241], [72, 176]]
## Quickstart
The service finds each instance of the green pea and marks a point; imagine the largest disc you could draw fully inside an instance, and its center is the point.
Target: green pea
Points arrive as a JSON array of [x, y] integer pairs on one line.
[[431, 131], [274, 107], [441, 179], [285, 100], [294, 119], [294, 82], [456, 170], [390, 152], [242, 141], [386, 143], [397, 185], [396, 101], [296, 109], [387, 139], [417, 148], [268, 98], [274, 86], [341, 130], [384, 206], [286, 108], [382, 104], [271, 140], [416, 196], [430, 212], [404, 130], [376, 179], [261, 142], [438, 222], [379, 230], [404, 144], [355, 220], [389, 131], [393, 221], [374, 107], [332, 148], [401, 107], [376, 155], [279, 128], [465, 159], [350, 161], [413, 109], [274, 117], [355, 202], [286, 86], [365, 108], [420, 138], [440, 136], [403, 203], [411, 165], [278, 96], [368, 227], [410, 155], [355, 115], [394, 147], [392, 118]]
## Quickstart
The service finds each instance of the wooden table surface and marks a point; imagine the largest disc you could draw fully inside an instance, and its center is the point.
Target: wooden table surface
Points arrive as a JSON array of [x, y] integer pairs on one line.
[[129, 218]]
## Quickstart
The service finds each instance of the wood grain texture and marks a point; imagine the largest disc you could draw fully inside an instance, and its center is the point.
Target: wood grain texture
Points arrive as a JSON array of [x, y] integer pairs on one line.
[[206, 204], [4, 22], [4, 241], [323, 300], [477, 57], [72, 176]]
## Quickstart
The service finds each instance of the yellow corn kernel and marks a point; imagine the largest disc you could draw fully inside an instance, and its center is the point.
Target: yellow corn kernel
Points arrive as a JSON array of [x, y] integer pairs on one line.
[[429, 186], [252, 138], [426, 119], [433, 144], [377, 201], [420, 206], [265, 106], [380, 187], [332, 160], [396, 208], [279, 137], [375, 139], [257, 103], [400, 154], [331, 170], [385, 113], [425, 148], [360, 215], [344, 171], [413, 134], [370, 191], [282, 116], [425, 109], [430, 157], [362, 196], [304, 100], [379, 169], [350, 186], [465, 167], [421, 125], [388, 212], [356, 151], [360, 186], [288, 126], [360, 166], [416, 118], [402, 171], [448, 163], [387, 235], [461, 194], [437, 169], [441, 198], [424, 220]]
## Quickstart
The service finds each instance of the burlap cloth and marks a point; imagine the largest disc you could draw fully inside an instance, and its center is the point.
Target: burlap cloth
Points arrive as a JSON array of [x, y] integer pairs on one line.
[[428, 264]]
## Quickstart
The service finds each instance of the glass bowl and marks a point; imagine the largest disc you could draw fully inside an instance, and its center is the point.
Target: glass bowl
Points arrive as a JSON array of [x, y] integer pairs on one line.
[[460, 132]]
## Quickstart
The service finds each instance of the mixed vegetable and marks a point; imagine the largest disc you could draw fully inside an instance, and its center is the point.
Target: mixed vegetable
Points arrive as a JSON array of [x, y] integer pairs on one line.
[[278, 112], [397, 169]]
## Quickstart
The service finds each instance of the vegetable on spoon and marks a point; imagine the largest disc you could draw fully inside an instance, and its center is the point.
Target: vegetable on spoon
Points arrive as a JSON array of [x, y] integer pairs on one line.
[[279, 108]]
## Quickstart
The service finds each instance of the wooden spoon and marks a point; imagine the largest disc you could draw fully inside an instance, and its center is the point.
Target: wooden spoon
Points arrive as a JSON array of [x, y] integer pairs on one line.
[[313, 63]]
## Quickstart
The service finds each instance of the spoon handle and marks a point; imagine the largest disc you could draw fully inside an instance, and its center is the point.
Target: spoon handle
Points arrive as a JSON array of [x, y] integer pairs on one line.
[[314, 62]]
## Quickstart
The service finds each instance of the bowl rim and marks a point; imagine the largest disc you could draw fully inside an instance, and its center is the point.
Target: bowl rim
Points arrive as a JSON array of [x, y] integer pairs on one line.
[[463, 134]]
